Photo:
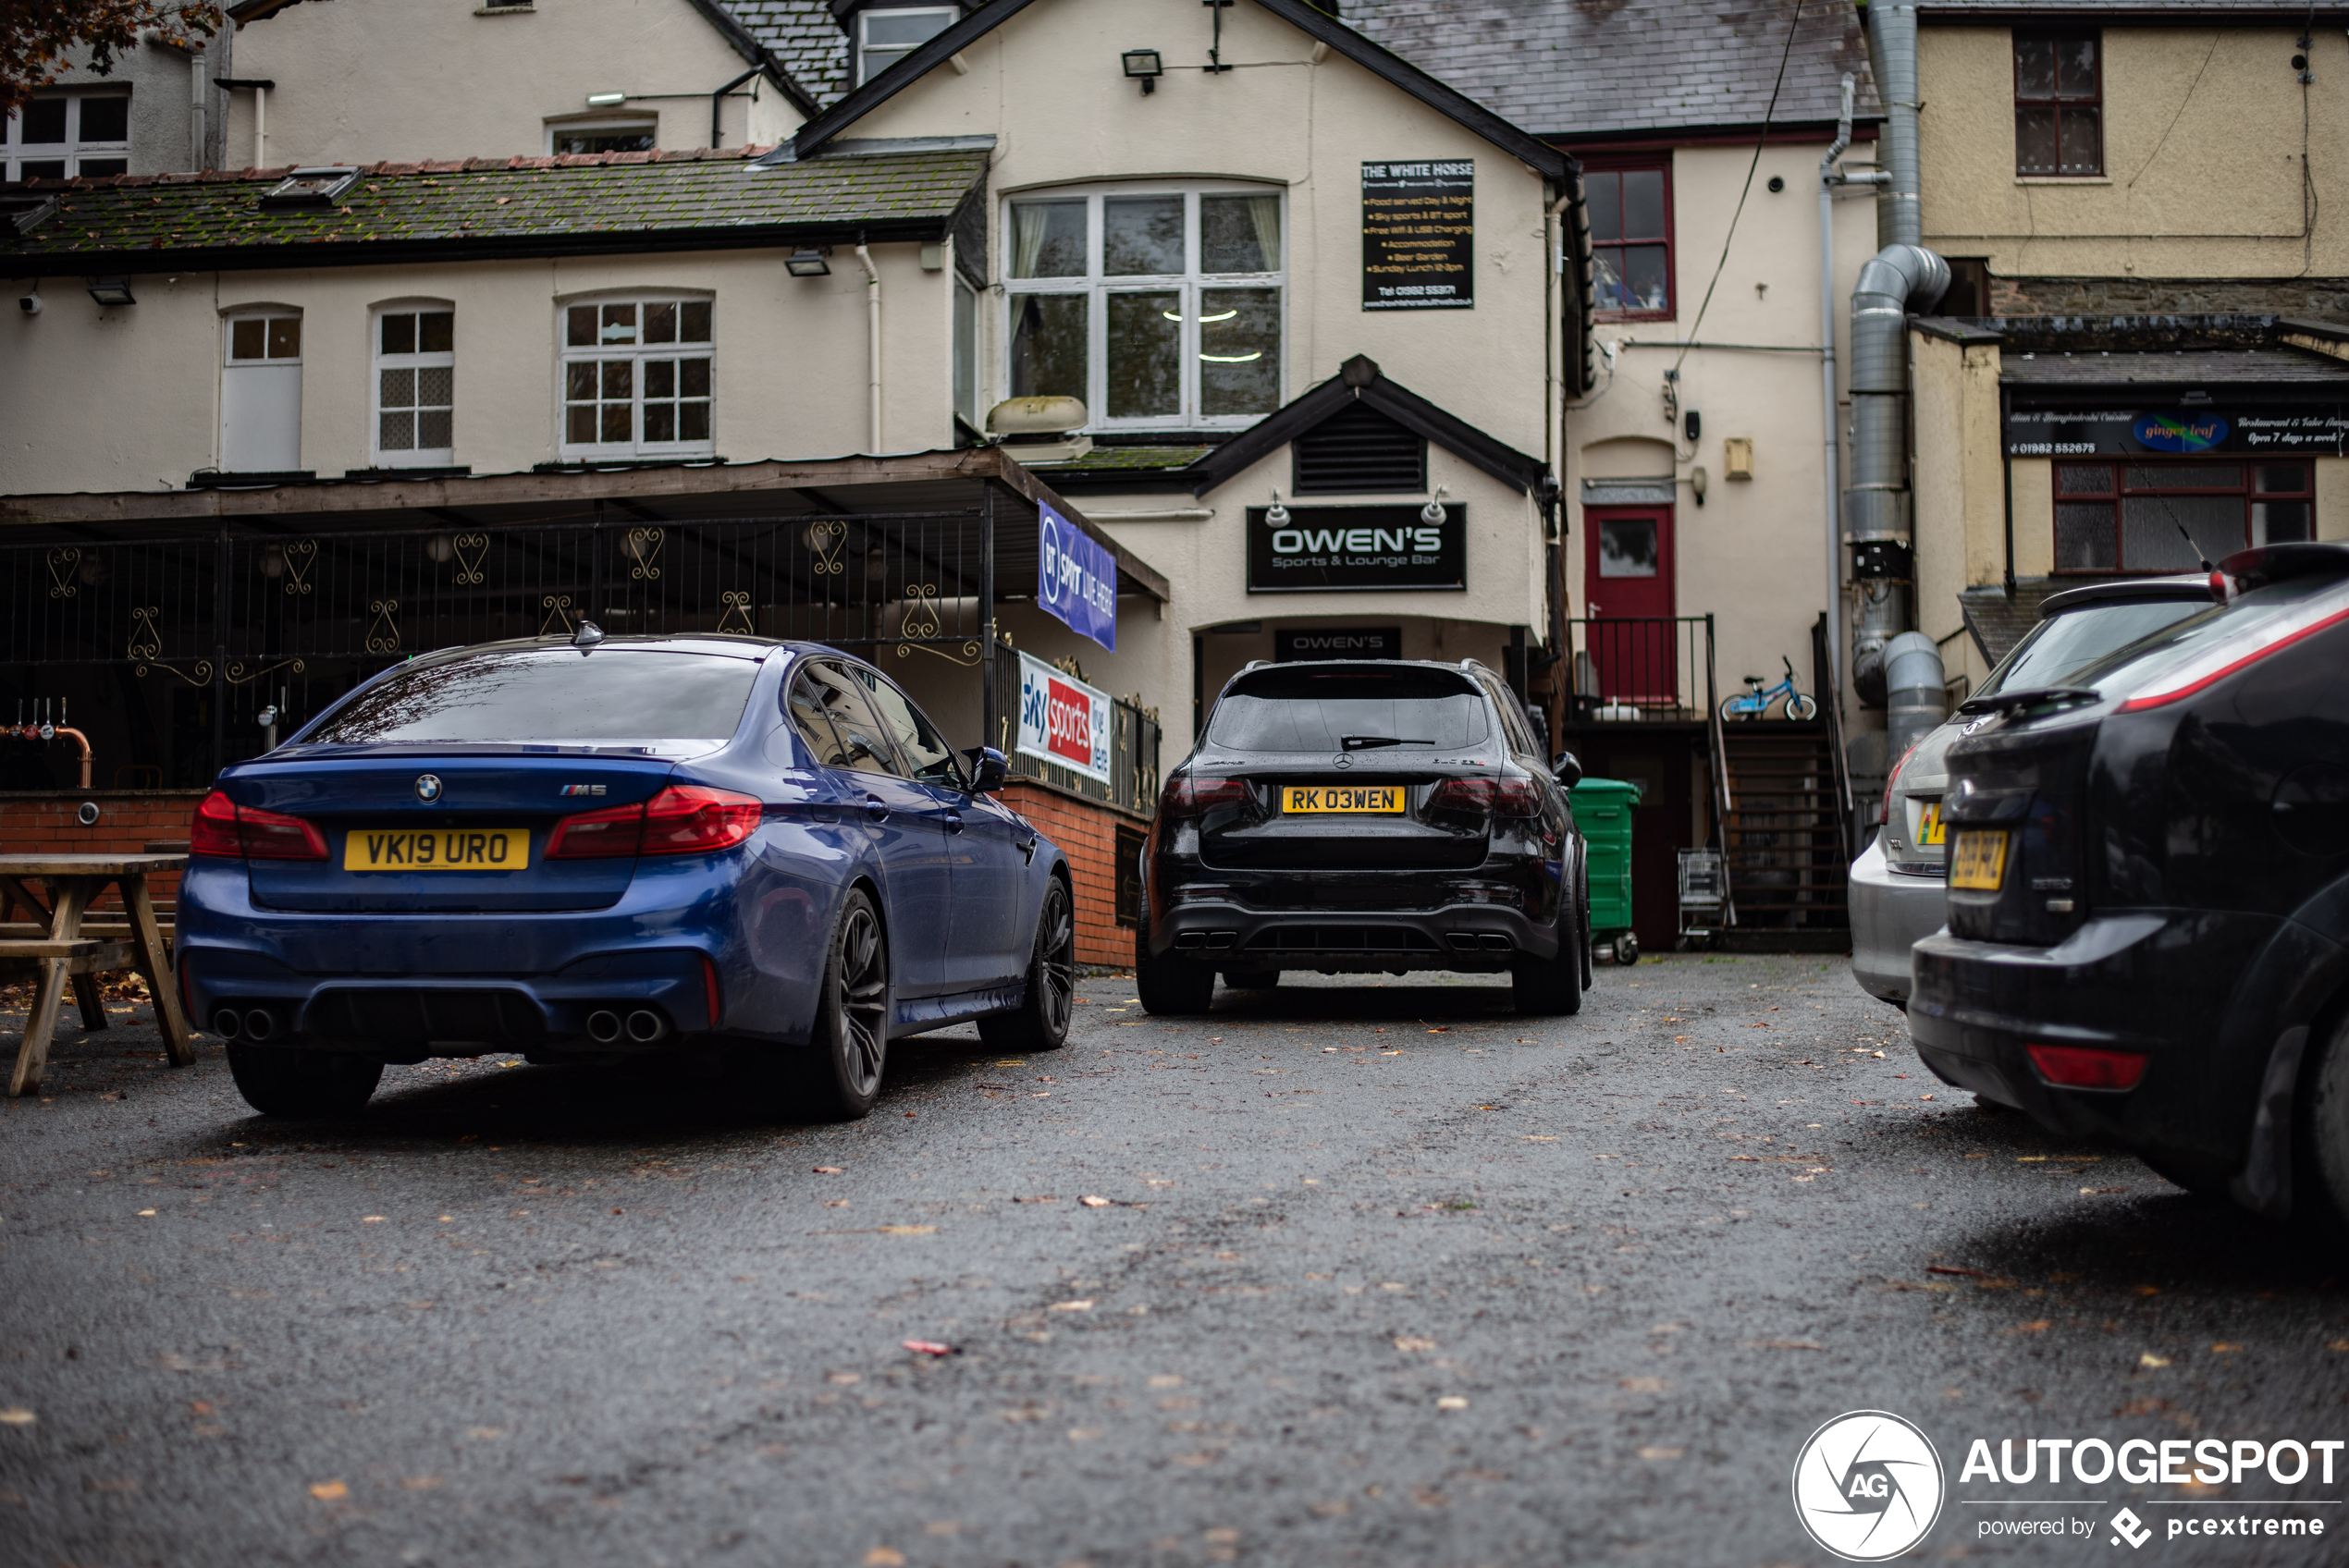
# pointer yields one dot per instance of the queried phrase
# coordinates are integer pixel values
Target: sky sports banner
(1076, 578)
(2128, 432)
(1062, 720)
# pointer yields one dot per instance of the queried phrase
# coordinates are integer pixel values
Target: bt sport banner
(1076, 578)
(1062, 720)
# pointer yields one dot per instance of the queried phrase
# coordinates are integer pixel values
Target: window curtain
(1029, 220)
(1264, 215)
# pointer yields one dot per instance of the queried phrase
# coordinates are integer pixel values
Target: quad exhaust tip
(603, 1026)
(645, 1026)
(228, 1023)
(259, 1024)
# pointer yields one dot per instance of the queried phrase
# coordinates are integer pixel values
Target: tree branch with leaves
(41, 40)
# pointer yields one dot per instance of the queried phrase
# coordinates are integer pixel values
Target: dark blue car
(612, 845)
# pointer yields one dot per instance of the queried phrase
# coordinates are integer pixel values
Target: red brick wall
(1086, 833)
(128, 820)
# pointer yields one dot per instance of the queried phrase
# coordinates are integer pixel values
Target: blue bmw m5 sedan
(605, 845)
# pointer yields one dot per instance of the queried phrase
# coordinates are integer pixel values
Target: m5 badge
(582, 789)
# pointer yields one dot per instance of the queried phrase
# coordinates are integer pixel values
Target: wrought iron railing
(1830, 701)
(210, 630)
(1644, 666)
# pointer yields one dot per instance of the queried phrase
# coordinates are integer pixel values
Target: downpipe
(873, 340)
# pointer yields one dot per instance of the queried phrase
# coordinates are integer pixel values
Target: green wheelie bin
(1602, 810)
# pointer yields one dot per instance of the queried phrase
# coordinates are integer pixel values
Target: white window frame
(232, 403)
(966, 391)
(15, 153)
(637, 448)
(380, 362)
(1188, 282)
(952, 13)
(639, 123)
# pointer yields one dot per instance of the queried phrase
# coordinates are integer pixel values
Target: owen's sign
(1318, 549)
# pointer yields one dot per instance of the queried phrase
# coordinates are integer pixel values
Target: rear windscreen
(2060, 647)
(1311, 708)
(550, 695)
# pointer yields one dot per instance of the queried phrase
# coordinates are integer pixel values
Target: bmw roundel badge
(428, 788)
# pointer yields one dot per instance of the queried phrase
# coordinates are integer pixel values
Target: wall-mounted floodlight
(807, 264)
(112, 291)
(1143, 66)
(605, 100)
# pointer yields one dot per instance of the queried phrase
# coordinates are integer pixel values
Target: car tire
(1041, 1022)
(1583, 916)
(1552, 988)
(1172, 988)
(302, 1084)
(839, 1073)
(2323, 1145)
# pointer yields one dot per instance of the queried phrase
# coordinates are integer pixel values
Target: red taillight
(1186, 796)
(682, 819)
(2084, 1067)
(710, 987)
(223, 828)
(1502, 797)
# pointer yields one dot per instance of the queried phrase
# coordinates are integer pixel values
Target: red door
(1627, 588)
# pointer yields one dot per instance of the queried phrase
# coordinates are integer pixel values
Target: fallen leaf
(1411, 1342)
(373, 1219)
(16, 1415)
(1169, 1380)
(2149, 1289)
(2038, 1326)
(1641, 1385)
(486, 1433)
(146, 1214)
(2148, 1359)
(2330, 1344)
(1787, 1344)
(1660, 1453)
(329, 1492)
(1946, 1268)
(884, 1556)
(1071, 1307)
(829, 1170)
(2222, 1348)
(420, 1483)
(909, 1229)
(1083, 1434)
(1451, 1402)
(1536, 1138)
(928, 1347)
(1089, 1201)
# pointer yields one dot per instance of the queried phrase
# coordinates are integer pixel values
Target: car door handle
(954, 822)
(876, 808)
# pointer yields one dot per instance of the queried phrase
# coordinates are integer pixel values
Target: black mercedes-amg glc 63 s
(1365, 817)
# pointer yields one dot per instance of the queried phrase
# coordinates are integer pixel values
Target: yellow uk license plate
(1979, 860)
(437, 848)
(1341, 800)
(1930, 829)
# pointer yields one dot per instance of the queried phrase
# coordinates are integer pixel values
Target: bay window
(636, 379)
(1162, 307)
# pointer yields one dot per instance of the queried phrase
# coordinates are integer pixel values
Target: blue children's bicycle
(1755, 702)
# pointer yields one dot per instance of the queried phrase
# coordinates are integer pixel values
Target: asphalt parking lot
(1344, 1273)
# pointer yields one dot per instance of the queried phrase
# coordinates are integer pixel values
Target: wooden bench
(65, 950)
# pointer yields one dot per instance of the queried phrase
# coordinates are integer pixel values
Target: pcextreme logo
(1868, 1485)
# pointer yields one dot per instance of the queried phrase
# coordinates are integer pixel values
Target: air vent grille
(1359, 451)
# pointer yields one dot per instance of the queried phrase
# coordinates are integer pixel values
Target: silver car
(1898, 883)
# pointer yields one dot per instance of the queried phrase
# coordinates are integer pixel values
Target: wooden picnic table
(63, 955)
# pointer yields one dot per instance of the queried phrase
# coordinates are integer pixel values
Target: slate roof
(1590, 69)
(481, 207)
(802, 35)
(2174, 12)
(1996, 622)
(2237, 368)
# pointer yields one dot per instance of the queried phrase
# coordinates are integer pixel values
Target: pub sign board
(1419, 236)
(1063, 720)
(1356, 549)
(2128, 432)
(1338, 643)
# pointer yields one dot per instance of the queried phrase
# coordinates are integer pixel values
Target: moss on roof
(607, 200)
(1108, 459)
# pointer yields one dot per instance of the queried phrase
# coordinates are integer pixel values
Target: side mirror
(1568, 769)
(989, 770)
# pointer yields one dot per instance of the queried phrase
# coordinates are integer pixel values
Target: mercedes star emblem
(428, 788)
(1342, 760)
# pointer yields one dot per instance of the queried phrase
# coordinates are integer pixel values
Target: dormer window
(886, 35)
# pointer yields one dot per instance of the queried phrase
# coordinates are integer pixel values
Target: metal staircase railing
(1831, 709)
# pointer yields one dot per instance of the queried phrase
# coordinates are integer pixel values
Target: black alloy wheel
(850, 1049)
(306, 1085)
(1041, 1022)
(1553, 987)
(1170, 986)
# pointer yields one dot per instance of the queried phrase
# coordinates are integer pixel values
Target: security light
(605, 100)
(1142, 66)
(112, 291)
(807, 264)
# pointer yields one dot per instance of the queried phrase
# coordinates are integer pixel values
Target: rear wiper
(1358, 742)
(2027, 697)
